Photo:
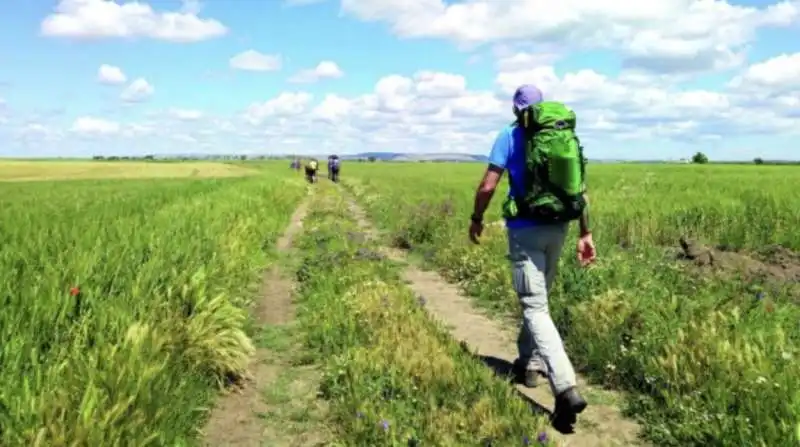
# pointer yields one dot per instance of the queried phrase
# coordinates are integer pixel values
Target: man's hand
(586, 250)
(475, 231)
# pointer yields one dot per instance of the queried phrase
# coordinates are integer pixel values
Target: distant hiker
(311, 170)
(540, 204)
(333, 168)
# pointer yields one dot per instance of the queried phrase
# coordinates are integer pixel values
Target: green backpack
(556, 168)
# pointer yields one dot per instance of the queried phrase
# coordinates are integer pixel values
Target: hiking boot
(569, 404)
(527, 376)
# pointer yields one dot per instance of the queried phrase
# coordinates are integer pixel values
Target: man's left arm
(584, 219)
(583, 222)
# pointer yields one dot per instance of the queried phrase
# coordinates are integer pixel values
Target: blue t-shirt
(508, 153)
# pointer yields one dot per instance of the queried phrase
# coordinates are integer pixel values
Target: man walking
(333, 168)
(311, 170)
(539, 207)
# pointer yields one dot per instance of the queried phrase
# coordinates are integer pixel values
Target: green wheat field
(128, 291)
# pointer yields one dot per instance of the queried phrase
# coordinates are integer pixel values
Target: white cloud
(781, 73)
(34, 129)
(632, 114)
(660, 35)
(137, 91)
(186, 114)
(332, 108)
(184, 138)
(106, 18)
(111, 75)
(433, 111)
(35, 133)
(88, 125)
(323, 70)
(524, 61)
(137, 130)
(252, 60)
(284, 105)
(440, 85)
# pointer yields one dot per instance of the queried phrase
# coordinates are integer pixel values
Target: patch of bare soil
(601, 424)
(774, 263)
(246, 415)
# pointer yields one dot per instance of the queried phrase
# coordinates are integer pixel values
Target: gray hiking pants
(534, 253)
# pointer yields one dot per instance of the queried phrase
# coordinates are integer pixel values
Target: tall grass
(710, 358)
(124, 303)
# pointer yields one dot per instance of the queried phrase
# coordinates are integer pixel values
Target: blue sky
(661, 81)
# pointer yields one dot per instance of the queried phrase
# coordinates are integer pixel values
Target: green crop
(125, 303)
(708, 352)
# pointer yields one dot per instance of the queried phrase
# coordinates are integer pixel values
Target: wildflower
(359, 415)
(542, 438)
(385, 425)
(525, 440)
(74, 291)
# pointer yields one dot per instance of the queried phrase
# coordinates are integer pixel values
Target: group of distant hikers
(312, 166)
(546, 169)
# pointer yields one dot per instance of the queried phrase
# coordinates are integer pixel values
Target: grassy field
(707, 349)
(125, 302)
(12, 170)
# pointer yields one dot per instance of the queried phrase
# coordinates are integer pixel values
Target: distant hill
(434, 156)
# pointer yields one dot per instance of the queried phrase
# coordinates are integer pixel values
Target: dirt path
(245, 416)
(601, 424)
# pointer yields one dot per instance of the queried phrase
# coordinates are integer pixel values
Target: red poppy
(74, 291)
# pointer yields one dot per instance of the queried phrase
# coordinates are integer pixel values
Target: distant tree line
(697, 158)
(181, 157)
(370, 159)
(701, 158)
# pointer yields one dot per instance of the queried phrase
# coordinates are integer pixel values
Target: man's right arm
(498, 158)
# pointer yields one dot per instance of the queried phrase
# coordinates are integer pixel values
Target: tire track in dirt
(239, 416)
(601, 424)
